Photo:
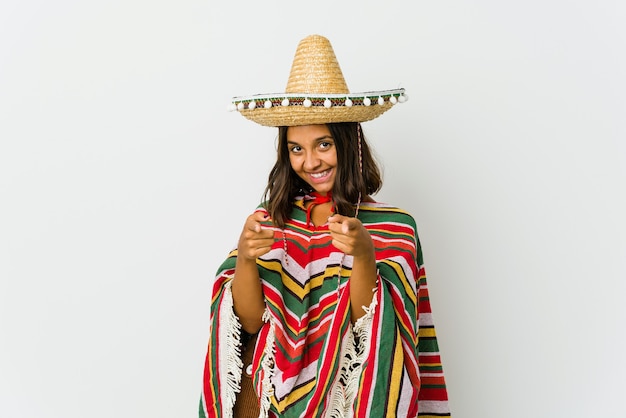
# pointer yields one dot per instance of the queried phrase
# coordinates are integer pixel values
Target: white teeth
(319, 175)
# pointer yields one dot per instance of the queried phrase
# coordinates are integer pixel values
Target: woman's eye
(296, 149)
(325, 145)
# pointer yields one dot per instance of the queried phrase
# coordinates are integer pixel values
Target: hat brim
(311, 109)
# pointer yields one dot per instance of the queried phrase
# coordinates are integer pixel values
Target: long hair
(284, 184)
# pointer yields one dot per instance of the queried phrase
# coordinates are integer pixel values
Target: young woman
(322, 310)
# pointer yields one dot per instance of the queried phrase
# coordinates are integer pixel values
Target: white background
(124, 182)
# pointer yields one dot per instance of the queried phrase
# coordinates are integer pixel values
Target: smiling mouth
(320, 175)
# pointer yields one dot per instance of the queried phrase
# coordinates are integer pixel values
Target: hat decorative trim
(316, 93)
(266, 101)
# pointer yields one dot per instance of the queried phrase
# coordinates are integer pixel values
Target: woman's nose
(311, 161)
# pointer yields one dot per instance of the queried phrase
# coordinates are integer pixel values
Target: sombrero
(316, 93)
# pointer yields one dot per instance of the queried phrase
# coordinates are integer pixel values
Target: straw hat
(316, 93)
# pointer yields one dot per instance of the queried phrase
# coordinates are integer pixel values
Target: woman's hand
(350, 236)
(255, 239)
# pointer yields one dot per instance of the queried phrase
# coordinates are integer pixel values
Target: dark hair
(284, 184)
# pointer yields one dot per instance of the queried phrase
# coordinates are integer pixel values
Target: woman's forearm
(362, 284)
(248, 299)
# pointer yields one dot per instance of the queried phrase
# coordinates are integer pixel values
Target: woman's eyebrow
(321, 138)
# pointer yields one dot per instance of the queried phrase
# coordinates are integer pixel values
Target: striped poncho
(310, 360)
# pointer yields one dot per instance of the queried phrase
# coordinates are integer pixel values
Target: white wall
(124, 182)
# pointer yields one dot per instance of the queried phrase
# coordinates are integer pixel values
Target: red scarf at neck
(316, 199)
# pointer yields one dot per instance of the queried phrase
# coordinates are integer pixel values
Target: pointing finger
(336, 218)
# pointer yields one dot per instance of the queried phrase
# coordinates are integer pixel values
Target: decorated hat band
(316, 93)
(301, 109)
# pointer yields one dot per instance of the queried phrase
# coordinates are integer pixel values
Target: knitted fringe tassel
(230, 364)
(267, 364)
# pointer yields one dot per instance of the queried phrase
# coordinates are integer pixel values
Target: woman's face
(313, 155)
